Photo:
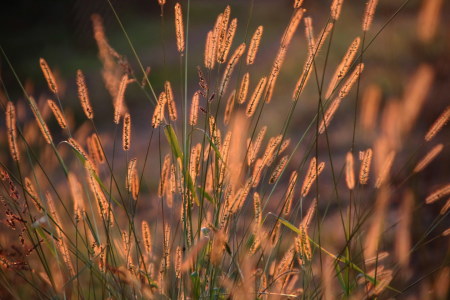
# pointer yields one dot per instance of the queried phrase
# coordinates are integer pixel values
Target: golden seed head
(314, 171)
(12, 131)
(158, 114)
(254, 45)
(171, 106)
(290, 193)
(428, 158)
(179, 28)
(226, 43)
(97, 149)
(438, 124)
(193, 117)
(336, 7)
(126, 135)
(243, 90)
(365, 166)
(349, 171)
(229, 107)
(49, 77)
(146, 237)
(368, 14)
(118, 104)
(298, 3)
(438, 194)
(254, 100)
(230, 67)
(59, 116)
(278, 169)
(83, 95)
(41, 123)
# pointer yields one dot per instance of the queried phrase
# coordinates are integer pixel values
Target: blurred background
(61, 32)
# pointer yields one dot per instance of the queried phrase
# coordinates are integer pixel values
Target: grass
(194, 202)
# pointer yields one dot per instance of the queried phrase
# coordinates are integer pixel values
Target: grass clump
(217, 197)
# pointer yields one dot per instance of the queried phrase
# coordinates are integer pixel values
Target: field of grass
(230, 150)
